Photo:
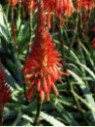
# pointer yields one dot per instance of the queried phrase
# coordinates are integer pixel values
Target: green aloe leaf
(51, 119)
(4, 26)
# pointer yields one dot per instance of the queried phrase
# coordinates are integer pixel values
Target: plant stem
(19, 15)
(39, 105)
(1, 120)
(18, 69)
(19, 10)
(31, 30)
(7, 10)
(15, 57)
(63, 55)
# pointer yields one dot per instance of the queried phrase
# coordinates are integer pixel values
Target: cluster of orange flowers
(86, 4)
(42, 67)
(59, 7)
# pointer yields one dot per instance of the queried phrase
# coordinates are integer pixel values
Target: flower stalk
(14, 46)
(1, 120)
(39, 105)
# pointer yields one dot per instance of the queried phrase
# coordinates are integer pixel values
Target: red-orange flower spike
(61, 8)
(30, 5)
(4, 90)
(86, 4)
(42, 68)
(13, 2)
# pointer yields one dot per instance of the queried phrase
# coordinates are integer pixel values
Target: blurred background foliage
(75, 105)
